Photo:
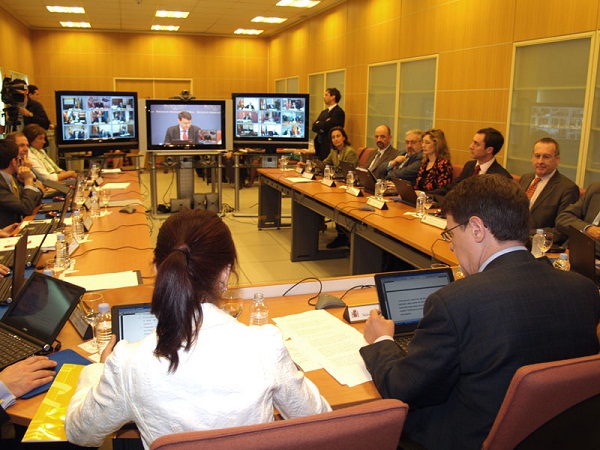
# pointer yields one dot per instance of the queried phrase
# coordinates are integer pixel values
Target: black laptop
(406, 192)
(582, 254)
(35, 317)
(402, 296)
(132, 322)
(368, 180)
(10, 286)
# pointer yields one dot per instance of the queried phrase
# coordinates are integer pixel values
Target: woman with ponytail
(201, 369)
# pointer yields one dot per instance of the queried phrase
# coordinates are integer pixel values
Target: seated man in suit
(18, 194)
(549, 191)
(509, 311)
(185, 131)
(487, 142)
(405, 166)
(385, 152)
(583, 215)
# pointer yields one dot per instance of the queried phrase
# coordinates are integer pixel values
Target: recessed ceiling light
(172, 14)
(76, 24)
(245, 31)
(269, 19)
(298, 3)
(165, 27)
(66, 9)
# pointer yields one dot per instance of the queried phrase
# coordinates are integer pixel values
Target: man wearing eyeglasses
(509, 311)
(406, 165)
(548, 190)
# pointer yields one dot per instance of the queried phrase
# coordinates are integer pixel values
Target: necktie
(477, 170)
(375, 161)
(185, 135)
(15, 188)
(532, 187)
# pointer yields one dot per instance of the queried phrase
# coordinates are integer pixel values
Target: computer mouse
(326, 301)
(51, 214)
(366, 208)
(127, 210)
(58, 199)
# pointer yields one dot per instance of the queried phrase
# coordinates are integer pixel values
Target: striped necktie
(532, 187)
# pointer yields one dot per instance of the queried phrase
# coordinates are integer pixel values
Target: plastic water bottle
(309, 167)
(103, 326)
(349, 180)
(562, 262)
(537, 243)
(420, 207)
(327, 172)
(77, 226)
(61, 257)
(94, 205)
(259, 313)
(379, 189)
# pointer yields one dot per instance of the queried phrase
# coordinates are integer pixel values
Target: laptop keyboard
(13, 348)
(41, 227)
(403, 342)
(5, 288)
(51, 206)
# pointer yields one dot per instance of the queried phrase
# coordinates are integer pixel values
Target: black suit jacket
(12, 209)
(336, 117)
(558, 193)
(475, 333)
(173, 134)
(39, 114)
(468, 169)
(389, 154)
(581, 213)
(407, 171)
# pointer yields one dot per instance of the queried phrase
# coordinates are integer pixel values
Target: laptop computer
(406, 192)
(582, 254)
(343, 170)
(132, 322)
(402, 296)
(10, 287)
(60, 187)
(35, 317)
(367, 181)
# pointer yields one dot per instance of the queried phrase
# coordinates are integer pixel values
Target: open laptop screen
(132, 322)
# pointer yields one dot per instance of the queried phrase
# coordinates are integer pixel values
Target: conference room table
(372, 233)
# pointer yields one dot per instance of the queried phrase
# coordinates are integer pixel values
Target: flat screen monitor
(271, 120)
(192, 124)
(97, 121)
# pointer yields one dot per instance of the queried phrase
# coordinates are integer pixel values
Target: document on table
(115, 186)
(299, 180)
(329, 342)
(106, 280)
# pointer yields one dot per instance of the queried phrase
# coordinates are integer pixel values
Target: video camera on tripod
(13, 93)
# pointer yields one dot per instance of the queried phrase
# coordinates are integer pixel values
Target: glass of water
(105, 198)
(232, 302)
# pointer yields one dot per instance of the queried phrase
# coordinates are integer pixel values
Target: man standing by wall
(332, 116)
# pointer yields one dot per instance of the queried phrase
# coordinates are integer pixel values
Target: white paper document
(329, 342)
(115, 186)
(105, 280)
(117, 170)
(300, 180)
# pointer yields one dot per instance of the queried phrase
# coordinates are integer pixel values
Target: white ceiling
(207, 17)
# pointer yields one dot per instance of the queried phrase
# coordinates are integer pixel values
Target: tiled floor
(264, 256)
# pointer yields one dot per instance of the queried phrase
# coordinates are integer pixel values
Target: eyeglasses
(447, 234)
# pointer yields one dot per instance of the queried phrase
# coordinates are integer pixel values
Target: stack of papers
(319, 339)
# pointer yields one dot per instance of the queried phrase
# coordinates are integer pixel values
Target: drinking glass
(350, 179)
(284, 161)
(548, 241)
(428, 201)
(104, 198)
(88, 305)
(379, 189)
(231, 302)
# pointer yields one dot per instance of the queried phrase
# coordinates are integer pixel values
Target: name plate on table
(99, 181)
(359, 313)
(376, 203)
(329, 183)
(299, 169)
(354, 191)
(308, 175)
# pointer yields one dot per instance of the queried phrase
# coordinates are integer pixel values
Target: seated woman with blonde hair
(201, 369)
(436, 169)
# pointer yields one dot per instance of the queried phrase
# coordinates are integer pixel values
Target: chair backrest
(550, 405)
(363, 155)
(370, 426)
(456, 169)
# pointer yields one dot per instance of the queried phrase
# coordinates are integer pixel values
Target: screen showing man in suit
(184, 131)
(510, 310)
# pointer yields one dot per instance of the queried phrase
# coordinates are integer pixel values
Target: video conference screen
(271, 117)
(88, 118)
(195, 124)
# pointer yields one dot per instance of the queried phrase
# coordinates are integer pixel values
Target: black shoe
(339, 241)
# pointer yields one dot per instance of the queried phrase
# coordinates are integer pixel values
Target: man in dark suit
(487, 142)
(185, 131)
(34, 110)
(583, 215)
(549, 191)
(509, 311)
(18, 194)
(332, 116)
(385, 152)
(405, 166)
